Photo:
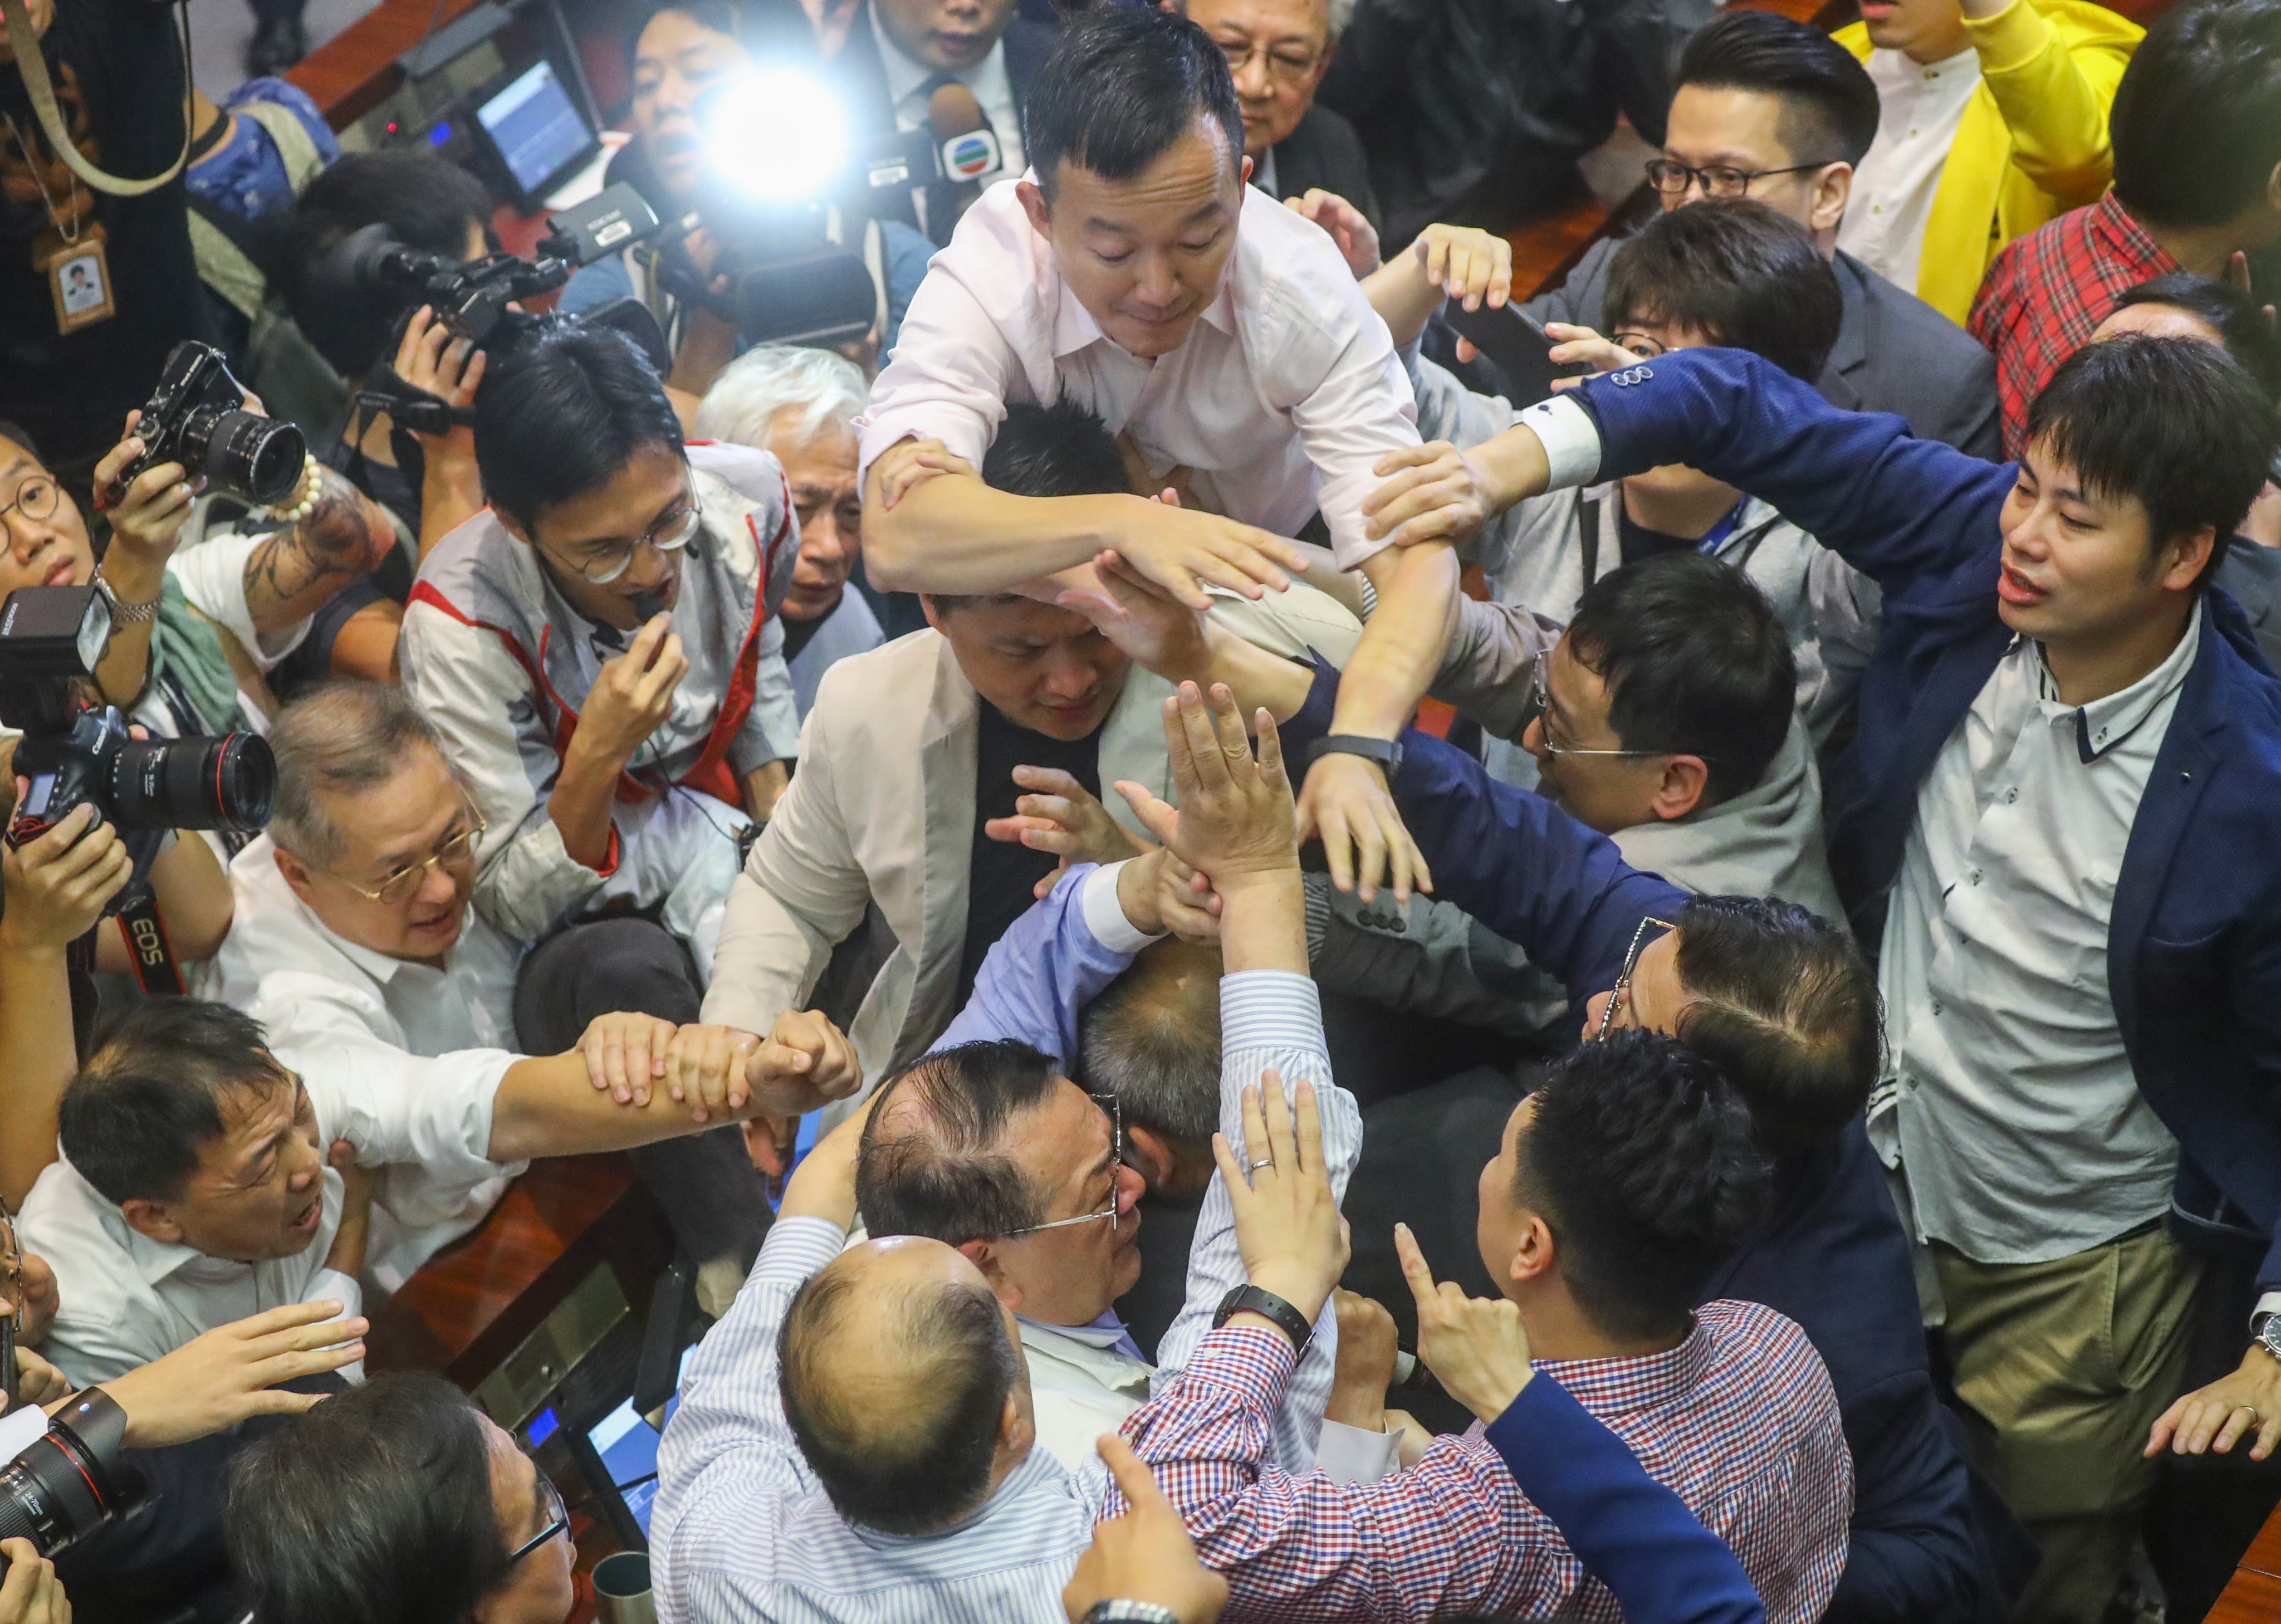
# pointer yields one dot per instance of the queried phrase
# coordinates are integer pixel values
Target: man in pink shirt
(1225, 339)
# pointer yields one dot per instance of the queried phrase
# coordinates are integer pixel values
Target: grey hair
(342, 737)
(1339, 13)
(827, 390)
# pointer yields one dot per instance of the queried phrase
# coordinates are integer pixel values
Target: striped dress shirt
(743, 1532)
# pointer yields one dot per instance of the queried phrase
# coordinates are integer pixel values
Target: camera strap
(147, 947)
(34, 66)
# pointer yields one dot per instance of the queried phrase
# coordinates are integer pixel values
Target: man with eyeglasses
(1773, 110)
(600, 653)
(1278, 52)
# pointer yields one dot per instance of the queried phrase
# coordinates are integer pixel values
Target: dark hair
(1782, 1001)
(1151, 1041)
(2197, 121)
(1695, 662)
(2240, 321)
(1737, 273)
(1122, 86)
(14, 435)
(372, 1508)
(932, 1160)
(1058, 450)
(769, 29)
(1828, 101)
(424, 202)
(922, 1468)
(1642, 1160)
(2174, 423)
(561, 413)
(148, 1101)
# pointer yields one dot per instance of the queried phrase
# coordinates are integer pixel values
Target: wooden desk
(2254, 1596)
(357, 67)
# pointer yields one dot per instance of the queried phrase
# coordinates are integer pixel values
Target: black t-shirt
(1002, 873)
(73, 390)
(1638, 541)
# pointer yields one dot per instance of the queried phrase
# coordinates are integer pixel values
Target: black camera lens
(256, 458)
(225, 783)
(68, 1482)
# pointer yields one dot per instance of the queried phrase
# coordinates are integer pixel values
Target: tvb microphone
(965, 144)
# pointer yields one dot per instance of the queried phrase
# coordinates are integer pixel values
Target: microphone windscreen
(953, 110)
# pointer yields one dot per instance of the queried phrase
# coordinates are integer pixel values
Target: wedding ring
(1265, 1160)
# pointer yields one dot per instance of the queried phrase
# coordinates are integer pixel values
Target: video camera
(74, 751)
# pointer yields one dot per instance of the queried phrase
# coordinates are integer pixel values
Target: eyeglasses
(1109, 1103)
(1291, 68)
(558, 1520)
(401, 886)
(611, 560)
(35, 498)
(1639, 343)
(1624, 976)
(1672, 178)
(1541, 676)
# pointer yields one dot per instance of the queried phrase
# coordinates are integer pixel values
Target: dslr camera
(198, 417)
(72, 1478)
(75, 750)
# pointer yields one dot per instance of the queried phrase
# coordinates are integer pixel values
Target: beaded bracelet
(306, 493)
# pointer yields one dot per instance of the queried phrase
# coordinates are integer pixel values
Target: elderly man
(355, 946)
(1278, 51)
(801, 406)
(194, 1184)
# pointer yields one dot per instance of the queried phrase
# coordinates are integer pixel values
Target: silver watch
(2265, 1332)
(1110, 1611)
(123, 612)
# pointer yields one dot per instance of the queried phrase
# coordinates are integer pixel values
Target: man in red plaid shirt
(2197, 137)
(1617, 1187)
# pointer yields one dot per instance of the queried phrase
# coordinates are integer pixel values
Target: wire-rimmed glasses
(1624, 976)
(671, 533)
(1540, 679)
(401, 886)
(1108, 1102)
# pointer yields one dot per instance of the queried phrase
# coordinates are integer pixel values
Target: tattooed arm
(290, 577)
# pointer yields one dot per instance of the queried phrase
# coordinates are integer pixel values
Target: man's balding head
(904, 1384)
(1151, 1041)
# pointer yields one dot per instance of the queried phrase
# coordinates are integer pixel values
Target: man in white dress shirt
(1225, 341)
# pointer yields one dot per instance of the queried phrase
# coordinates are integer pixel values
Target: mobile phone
(1516, 343)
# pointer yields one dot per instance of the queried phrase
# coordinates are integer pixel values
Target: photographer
(676, 53)
(77, 347)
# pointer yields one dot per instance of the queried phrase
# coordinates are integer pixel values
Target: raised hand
(1235, 821)
(1287, 1227)
(1477, 1349)
(1156, 628)
(228, 1375)
(1349, 228)
(147, 513)
(1062, 817)
(1144, 1556)
(1347, 803)
(1582, 346)
(1467, 264)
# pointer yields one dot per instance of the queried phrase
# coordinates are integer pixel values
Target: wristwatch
(123, 612)
(1251, 1299)
(1386, 751)
(2265, 1332)
(1108, 1610)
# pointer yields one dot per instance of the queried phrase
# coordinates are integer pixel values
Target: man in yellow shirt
(1993, 121)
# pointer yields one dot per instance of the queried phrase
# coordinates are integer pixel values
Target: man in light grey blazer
(1778, 111)
(907, 759)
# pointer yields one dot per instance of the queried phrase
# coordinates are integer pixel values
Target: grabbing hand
(1365, 1365)
(1183, 552)
(1432, 493)
(632, 694)
(705, 1068)
(1580, 346)
(1287, 1227)
(2243, 1403)
(1186, 903)
(1469, 265)
(1144, 1556)
(227, 1376)
(908, 464)
(428, 357)
(1349, 228)
(59, 884)
(806, 1062)
(148, 512)
(32, 1594)
(1476, 1349)
(625, 1054)
(1347, 803)
(1155, 629)
(1234, 820)
(1062, 817)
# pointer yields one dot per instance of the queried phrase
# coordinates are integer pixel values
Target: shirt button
(1936, 1006)
(1975, 876)
(2011, 795)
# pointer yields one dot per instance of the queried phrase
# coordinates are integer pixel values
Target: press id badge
(79, 276)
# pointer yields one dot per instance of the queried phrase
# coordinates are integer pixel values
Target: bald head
(904, 1385)
(1151, 1040)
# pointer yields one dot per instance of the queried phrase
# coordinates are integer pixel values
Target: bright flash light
(777, 136)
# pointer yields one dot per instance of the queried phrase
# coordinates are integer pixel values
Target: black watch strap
(1286, 1318)
(1386, 751)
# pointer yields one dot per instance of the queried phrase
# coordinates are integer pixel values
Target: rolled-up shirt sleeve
(948, 377)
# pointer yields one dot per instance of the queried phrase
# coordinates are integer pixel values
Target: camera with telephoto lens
(72, 1478)
(196, 417)
(75, 750)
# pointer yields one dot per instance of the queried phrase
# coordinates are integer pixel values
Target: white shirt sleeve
(398, 1109)
(951, 370)
(1571, 441)
(212, 575)
(1350, 1455)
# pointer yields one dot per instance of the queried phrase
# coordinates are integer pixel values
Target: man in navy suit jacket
(2059, 818)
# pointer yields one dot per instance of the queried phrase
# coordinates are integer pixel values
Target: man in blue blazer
(2058, 819)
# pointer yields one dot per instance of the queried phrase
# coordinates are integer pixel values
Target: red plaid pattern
(2048, 289)
(1739, 1420)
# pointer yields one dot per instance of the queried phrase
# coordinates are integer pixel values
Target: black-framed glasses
(1110, 1103)
(1624, 976)
(1672, 178)
(672, 532)
(558, 1518)
(401, 886)
(35, 498)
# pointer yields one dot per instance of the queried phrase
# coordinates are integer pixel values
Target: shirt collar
(1106, 1334)
(1643, 1382)
(2105, 723)
(2109, 219)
